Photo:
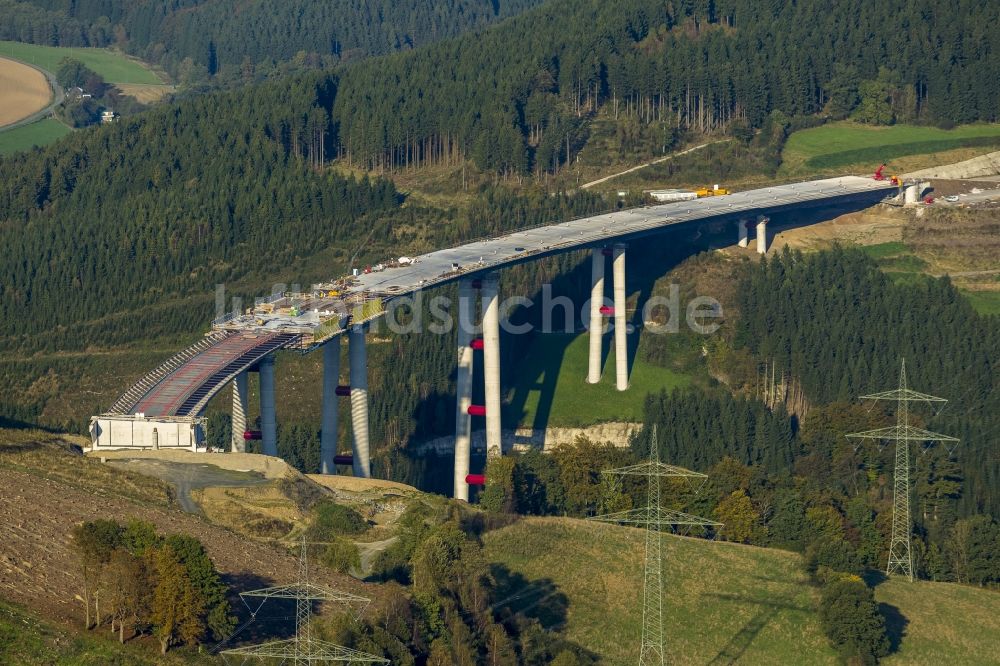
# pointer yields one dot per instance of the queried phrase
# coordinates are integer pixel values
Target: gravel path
(656, 161)
(186, 477)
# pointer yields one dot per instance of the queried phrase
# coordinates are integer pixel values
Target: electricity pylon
(303, 648)
(900, 556)
(653, 517)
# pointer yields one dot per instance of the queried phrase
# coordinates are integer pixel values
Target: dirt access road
(186, 476)
(25, 93)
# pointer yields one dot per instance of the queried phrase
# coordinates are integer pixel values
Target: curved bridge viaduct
(164, 408)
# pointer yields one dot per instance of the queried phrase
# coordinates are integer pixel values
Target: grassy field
(36, 134)
(843, 144)
(943, 623)
(114, 67)
(896, 257)
(725, 603)
(559, 362)
(146, 94)
(985, 302)
(903, 262)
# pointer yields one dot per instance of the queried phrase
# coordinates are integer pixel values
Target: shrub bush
(342, 556)
(851, 620)
(334, 519)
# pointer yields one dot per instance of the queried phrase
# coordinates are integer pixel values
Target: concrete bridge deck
(176, 392)
(322, 314)
(438, 267)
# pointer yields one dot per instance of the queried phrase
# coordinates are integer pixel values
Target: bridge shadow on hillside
(645, 264)
(545, 368)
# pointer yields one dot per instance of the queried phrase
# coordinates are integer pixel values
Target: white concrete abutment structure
(598, 309)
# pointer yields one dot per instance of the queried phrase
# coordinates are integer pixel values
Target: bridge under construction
(164, 408)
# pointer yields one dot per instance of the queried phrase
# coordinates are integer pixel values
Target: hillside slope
(45, 490)
(725, 603)
(29, 640)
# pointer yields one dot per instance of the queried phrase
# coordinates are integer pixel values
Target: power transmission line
(653, 517)
(900, 553)
(304, 648)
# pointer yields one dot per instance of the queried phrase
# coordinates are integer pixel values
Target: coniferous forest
(306, 138)
(199, 38)
(168, 204)
(515, 98)
(205, 190)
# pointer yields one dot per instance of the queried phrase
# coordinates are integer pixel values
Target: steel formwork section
(198, 399)
(186, 389)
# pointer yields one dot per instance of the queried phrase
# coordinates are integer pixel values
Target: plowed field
(23, 91)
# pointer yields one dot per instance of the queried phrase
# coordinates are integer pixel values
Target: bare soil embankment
(46, 489)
